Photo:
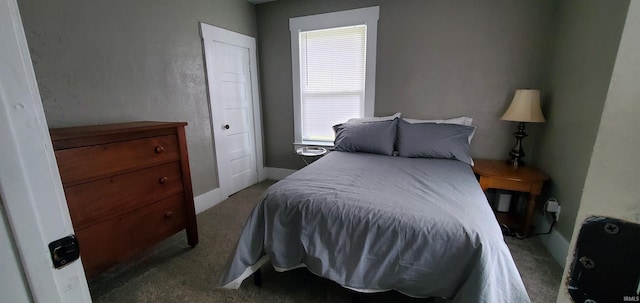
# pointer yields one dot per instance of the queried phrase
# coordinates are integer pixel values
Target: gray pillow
(369, 137)
(434, 140)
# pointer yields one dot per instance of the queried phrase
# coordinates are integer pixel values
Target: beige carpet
(173, 272)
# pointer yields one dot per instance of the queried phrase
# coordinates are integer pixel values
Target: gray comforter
(375, 223)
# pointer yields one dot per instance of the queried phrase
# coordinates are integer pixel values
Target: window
(333, 62)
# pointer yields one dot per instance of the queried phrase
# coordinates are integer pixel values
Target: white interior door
(234, 104)
(231, 99)
(31, 192)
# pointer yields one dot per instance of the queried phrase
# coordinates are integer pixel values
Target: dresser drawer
(102, 199)
(92, 162)
(110, 242)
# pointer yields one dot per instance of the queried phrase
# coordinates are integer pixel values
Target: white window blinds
(332, 79)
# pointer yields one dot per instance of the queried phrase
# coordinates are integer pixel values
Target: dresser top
(109, 129)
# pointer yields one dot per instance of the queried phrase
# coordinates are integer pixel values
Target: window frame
(363, 16)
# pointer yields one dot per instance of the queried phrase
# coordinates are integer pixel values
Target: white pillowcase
(373, 119)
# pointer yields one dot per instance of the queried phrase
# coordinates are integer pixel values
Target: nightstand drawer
(92, 162)
(523, 186)
(102, 199)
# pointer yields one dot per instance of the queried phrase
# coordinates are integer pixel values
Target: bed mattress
(375, 223)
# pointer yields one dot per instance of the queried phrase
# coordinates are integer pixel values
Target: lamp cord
(507, 231)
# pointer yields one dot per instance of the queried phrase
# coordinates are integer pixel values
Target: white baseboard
(262, 174)
(555, 243)
(207, 200)
(214, 196)
(274, 173)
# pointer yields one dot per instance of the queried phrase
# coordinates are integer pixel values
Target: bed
(373, 222)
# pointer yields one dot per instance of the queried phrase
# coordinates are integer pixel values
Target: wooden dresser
(128, 187)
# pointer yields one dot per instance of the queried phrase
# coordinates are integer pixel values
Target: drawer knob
(159, 149)
(163, 180)
(168, 215)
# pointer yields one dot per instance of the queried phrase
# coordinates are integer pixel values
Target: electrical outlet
(552, 206)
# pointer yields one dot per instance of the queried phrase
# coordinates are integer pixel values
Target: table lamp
(525, 107)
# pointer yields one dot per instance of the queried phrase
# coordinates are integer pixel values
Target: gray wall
(436, 59)
(611, 187)
(116, 61)
(585, 43)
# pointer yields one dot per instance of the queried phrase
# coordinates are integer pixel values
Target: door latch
(64, 251)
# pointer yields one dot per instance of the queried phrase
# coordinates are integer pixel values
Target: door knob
(226, 126)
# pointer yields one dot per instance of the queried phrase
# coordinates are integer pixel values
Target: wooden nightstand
(498, 174)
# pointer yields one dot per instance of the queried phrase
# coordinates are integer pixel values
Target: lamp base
(517, 153)
(516, 163)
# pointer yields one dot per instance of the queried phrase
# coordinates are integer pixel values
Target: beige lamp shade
(525, 107)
